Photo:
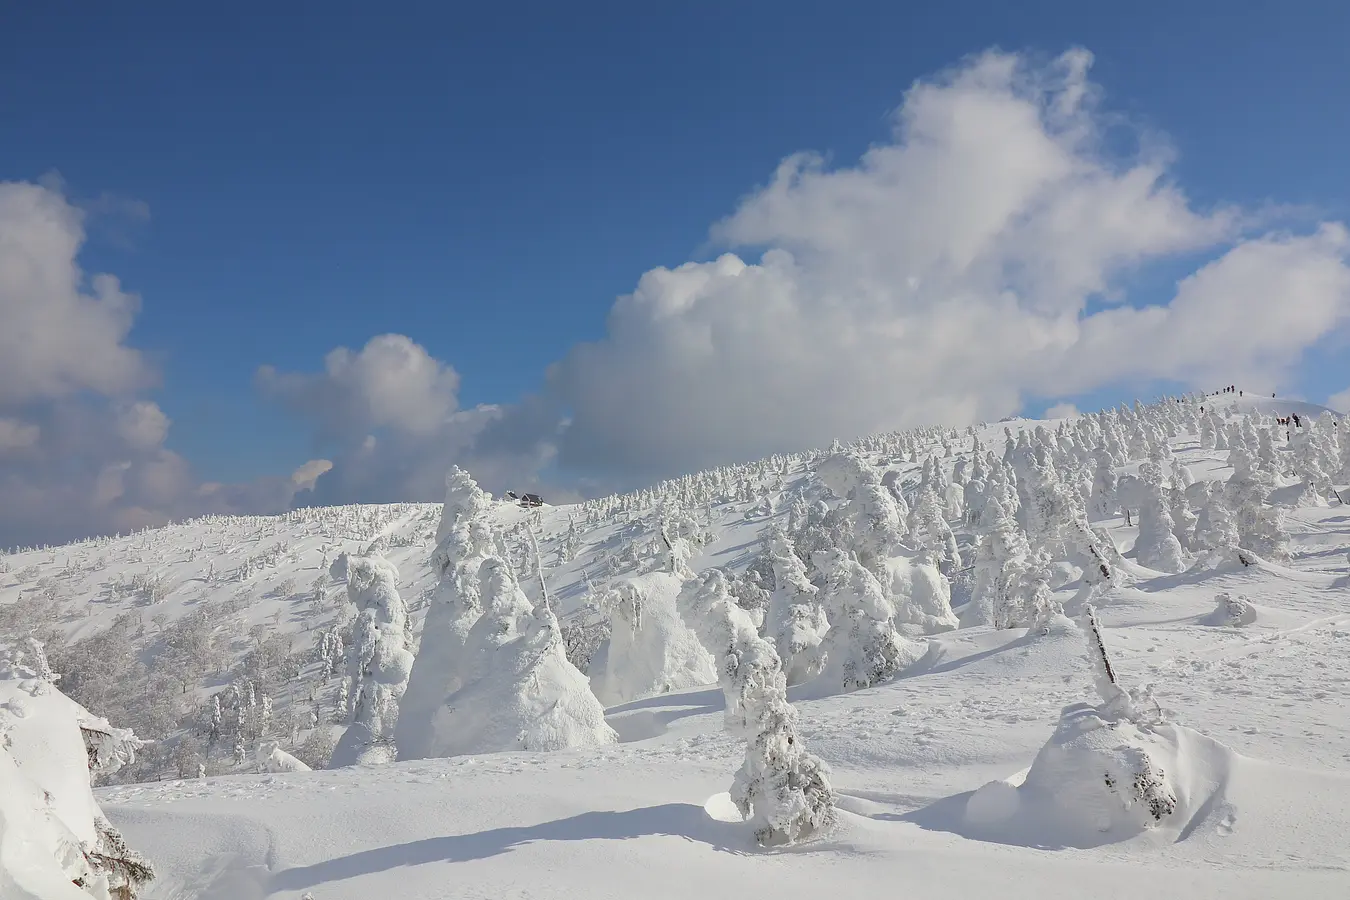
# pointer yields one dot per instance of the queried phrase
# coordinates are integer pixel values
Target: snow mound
(1102, 781)
(1231, 611)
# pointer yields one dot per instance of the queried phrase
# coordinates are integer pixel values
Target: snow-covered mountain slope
(650, 817)
(929, 766)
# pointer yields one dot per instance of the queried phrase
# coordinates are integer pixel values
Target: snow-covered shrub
(1109, 772)
(1105, 775)
(379, 662)
(1230, 611)
(271, 758)
(781, 789)
(651, 649)
(317, 749)
(518, 690)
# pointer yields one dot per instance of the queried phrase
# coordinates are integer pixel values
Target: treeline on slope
(871, 547)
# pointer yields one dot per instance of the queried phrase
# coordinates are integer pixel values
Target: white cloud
(143, 425)
(1062, 411)
(1340, 401)
(62, 333)
(17, 435)
(80, 453)
(393, 411)
(974, 259)
(306, 475)
(392, 382)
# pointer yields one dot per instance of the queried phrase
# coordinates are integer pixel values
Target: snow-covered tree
(380, 663)
(651, 649)
(1184, 519)
(796, 619)
(781, 789)
(929, 529)
(464, 538)
(1260, 526)
(877, 521)
(1104, 483)
(519, 692)
(862, 647)
(1308, 460)
(1156, 546)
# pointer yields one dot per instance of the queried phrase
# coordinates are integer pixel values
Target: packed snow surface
(985, 768)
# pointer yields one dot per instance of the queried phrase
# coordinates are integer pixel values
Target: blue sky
(487, 181)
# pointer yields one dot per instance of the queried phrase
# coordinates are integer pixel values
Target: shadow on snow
(681, 820)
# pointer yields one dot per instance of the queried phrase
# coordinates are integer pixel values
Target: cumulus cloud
(62, 332)
(392, 412)
(80, 452)
(980, 256)
(1340, 401)
(974, 259)
(391, 383)
(1062, 411)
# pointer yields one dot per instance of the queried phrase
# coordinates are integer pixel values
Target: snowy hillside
(1208, 751)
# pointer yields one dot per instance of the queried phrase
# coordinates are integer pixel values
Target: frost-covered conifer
(1184, 519)
(1104, 483)
(464, 538)
(54, 839)
(796, 619)
(1216, 533)
(651, 650)
(379, 667)
(1207, 431)
(1260, 526)
(862, 647)
(781, 789)
(930, 531)
(1156, 546)
(1002, 554)
(519, 691)
(1343, 442)
(1307, 461)
(877, 525)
